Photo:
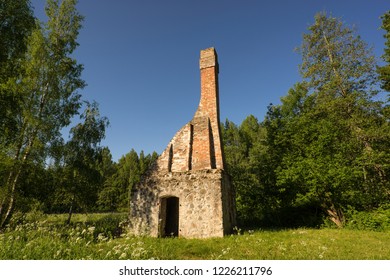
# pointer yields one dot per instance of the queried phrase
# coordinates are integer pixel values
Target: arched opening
(169, 217)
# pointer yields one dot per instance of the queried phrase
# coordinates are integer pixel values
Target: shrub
(377, 220)
(111, 226)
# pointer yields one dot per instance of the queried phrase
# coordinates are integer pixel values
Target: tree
(78, 175)
(384, 71)
(330, 128)
(236, 164)
(246, 156)
(16, 24)
(129, 170)
(314, 155)
(46, 92)
(107, 167)
(341, 69)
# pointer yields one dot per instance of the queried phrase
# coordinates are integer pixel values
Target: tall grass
(104, 237)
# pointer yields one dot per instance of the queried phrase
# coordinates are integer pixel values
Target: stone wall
(203, 203)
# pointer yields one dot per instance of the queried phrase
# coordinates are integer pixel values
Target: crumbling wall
(204, 208)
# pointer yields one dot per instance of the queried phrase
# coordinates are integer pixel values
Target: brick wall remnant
(188, 193)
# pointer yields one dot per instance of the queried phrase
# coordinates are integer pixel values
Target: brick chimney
(208, 111)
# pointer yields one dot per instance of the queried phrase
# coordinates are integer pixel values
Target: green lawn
(98, 236)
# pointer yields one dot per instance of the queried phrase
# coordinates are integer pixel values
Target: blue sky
(141, 58)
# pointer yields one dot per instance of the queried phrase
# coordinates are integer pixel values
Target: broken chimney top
(208, 58)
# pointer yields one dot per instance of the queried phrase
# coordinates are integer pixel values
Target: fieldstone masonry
(187, 193)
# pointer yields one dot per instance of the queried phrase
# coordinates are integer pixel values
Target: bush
(308, 216)
(111, 226)
(377, 220)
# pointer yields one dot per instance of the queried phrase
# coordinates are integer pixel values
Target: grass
(102, 236)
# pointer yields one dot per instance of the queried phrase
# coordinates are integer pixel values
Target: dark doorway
(169, 217)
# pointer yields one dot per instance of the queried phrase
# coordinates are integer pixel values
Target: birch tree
(47, 95)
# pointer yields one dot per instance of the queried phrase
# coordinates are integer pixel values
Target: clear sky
(141, 58)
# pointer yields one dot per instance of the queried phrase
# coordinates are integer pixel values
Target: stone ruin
(187, 193)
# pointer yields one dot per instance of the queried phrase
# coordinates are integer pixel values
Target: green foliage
(110, 226)
(335, 60)
(114, 195)
(77, 175)
(323, 132)
(384, 71)
(16, 24)
(377, 220)
(249, 165)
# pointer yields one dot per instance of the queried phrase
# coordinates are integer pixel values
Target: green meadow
(104, 237)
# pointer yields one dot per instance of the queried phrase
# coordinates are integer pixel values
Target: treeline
(322, 155)
(86, 185)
